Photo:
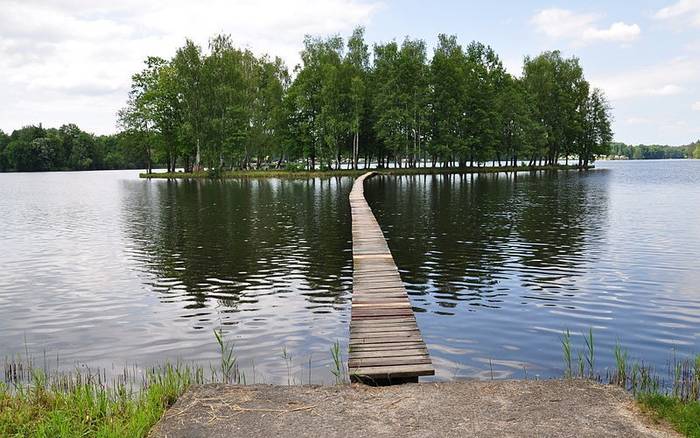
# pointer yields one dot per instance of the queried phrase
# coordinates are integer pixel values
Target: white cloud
(696, 106)
(683, 11)
(581, 29)
(60, 58)
(663, 79)
(637, 120)
(618, 32)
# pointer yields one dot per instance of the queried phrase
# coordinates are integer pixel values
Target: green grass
(305, 174)
(683, 416)
(85, 403)
(80, 407)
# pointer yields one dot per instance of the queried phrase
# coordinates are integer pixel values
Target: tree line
(654, 152)
(347, 105)
(35, 148)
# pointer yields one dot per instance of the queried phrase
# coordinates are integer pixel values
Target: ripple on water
(508, 263)
(104, 268)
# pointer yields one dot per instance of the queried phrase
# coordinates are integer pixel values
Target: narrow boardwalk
(385, 342)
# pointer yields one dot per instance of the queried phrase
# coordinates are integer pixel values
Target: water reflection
(468, 237)
(104, 268)
(498, 265)
(236, 242)
(268, 258)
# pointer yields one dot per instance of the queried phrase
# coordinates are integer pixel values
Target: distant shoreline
(304, 174)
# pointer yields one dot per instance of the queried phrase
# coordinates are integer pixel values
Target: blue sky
(71, 60)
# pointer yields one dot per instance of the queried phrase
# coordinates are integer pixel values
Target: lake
(103, 269)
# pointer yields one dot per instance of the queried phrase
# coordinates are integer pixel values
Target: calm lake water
(104, 269)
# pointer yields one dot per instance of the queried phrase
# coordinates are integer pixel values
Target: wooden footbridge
(385, 343)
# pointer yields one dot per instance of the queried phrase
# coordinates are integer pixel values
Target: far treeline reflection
(239, 239)
(455, 236)
(478, 238)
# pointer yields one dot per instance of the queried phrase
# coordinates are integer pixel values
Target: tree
(23, 153)
(4, 161)
(448, 85)
(597, 133)
(140, 114)
(520, 133)
(414, 78)
(223, 106)
(188, 65)
(228, 107)
(357, 63)
(267, 116)
(559, 91)
(316, 99)
(387, 100)
(401, 98)
(484, 78)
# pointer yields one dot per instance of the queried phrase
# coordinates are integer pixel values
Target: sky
(71, 61)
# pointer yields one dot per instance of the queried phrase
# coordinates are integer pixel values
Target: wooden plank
(379, 311)
(396, 372)
(382, 290)
(378, 284)
(383, 328)
(383, 361)
(396, 346)
(389, 353)
(386, 340)
(359, 324)
(381, 294)
(380, 304)
(363, 313)
(399, 335)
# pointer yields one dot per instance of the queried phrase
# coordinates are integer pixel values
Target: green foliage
(229, 367)
(621, 363)
(684, 416)
(653, 152)
(78, 407)
(338, 370)
(293, 167)
(566, 348)
(215, 173)
(590, 352)
(226, 108)
(34, 148)
(4, 159)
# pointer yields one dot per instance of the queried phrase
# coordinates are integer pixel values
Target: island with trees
(346, 106)
(343, 107)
